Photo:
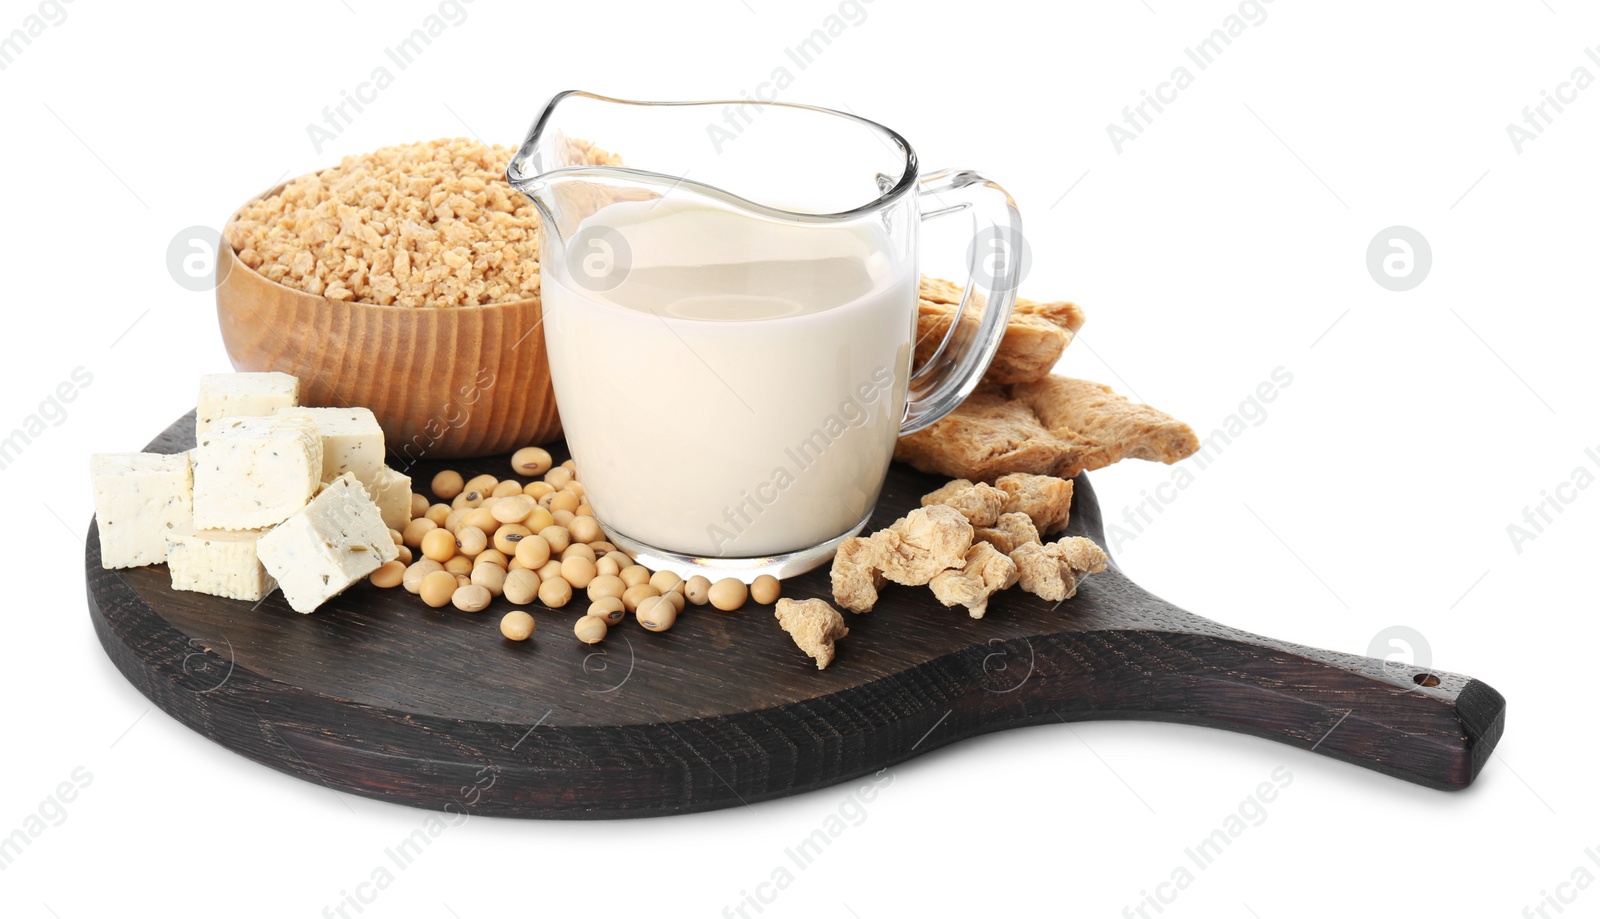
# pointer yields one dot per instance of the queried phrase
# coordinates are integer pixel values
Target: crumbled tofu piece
(352, 441)
(981, 504)
(814, 625)
(1044, 498)
(1052, 571)
(138, 497)
(221, 563)
(946, 491)
(391, 491)
(986, 573)
(855, 582)
(327, 545)
(1009, 532)
(251, 473)
(237, 395)
(921, 544)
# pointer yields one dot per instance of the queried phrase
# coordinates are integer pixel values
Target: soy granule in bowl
(426, 224)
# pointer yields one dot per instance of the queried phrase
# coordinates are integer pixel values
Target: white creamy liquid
(739, 393)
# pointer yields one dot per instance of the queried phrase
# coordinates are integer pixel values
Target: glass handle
(994, 266)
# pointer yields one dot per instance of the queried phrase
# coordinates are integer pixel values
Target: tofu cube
(352, 441)
(331, 543)
(138, 497)
(251, 473)
(238, 395)
(391, 491)
(221, 563)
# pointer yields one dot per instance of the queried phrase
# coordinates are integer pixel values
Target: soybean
(389, 574)
(656, 614)
(728, 594)
(532, 551)
(438, 545)
(448, 484)
(765, 589)
(611, 609)
(590, 629)
(481, 517)
(538, 519)
(521, 586)
(507, 537)
(675, 598)
(555, 592)
(605, 585)
(531, 461)
(471, 541)
(416, 529)
(483, 485)
(584, 529)
(412, 580)
(471, 598)
(490, 577)
(698, 590)
(638, 593)
(577, 550)
(557, 537)
(514, 509)
(437, 588)
(491, 555)
(517, 625)
(578, 571)
(453, 522)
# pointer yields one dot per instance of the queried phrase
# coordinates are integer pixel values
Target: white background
(1226, 241)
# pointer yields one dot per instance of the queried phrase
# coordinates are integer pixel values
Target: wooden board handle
(1163, 663)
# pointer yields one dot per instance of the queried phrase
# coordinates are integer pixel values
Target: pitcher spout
(564, 171)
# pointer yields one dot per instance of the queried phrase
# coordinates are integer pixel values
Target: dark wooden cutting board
(379, 695)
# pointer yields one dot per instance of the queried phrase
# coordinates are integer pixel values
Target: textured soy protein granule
(424, 224)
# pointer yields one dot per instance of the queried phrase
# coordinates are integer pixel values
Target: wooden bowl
(444, 382)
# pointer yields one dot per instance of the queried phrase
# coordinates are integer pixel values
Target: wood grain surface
(378, 695)
(455, 381)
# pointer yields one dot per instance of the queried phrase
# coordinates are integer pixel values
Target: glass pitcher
(729, 296)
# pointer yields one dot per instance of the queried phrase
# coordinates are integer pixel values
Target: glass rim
(524, 183)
